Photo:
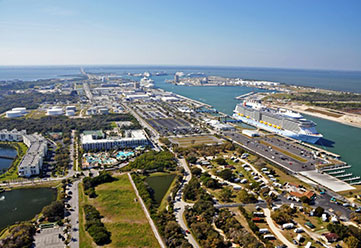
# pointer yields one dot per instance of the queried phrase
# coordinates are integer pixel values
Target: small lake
(160, 184)
(23, 204)
(5, 163)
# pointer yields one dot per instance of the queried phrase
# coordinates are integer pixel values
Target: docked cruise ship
(281, 121)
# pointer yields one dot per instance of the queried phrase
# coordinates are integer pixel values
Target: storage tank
(70, 112)
(70, 108)
(21, 109)
(55, 111)
(13, 114)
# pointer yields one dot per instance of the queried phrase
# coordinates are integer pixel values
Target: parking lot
(283, 159)
(171, 126)
(49, 238)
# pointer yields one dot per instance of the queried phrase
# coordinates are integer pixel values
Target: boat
(2, 198)
(283, 122)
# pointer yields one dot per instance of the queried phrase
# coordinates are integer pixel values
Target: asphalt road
(180, 204)
(74, 215)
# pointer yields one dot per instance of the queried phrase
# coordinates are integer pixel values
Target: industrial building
(133, 139)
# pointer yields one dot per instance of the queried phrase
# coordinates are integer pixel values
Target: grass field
(12, 172)
(195, 140)
(123, 216)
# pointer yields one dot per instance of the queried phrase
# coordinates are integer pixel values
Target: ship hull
(303, 137)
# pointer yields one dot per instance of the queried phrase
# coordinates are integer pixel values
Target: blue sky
(323, 34)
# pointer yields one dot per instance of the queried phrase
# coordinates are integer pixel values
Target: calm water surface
(23, 204)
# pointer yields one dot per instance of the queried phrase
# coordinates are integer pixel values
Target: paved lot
(283, 159)
(49, 238)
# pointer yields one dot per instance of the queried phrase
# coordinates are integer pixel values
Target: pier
(335, 168)
(351, 179)
(344, 175)
(355, 183)
(336, 172)
(244, 95)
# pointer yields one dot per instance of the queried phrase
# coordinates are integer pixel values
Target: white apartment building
(32, 162)
(135, 138)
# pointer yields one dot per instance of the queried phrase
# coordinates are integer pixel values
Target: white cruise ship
(281, 121)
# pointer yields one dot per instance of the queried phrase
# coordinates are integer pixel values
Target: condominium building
(13, 135)
(32, 162)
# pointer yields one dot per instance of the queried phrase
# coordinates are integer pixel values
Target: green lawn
(84, 238)
(123, 216)
(12, 172)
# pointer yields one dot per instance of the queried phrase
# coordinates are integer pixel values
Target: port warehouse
(272, 119)
(32, 162)
(133, 139)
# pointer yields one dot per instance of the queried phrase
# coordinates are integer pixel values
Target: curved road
(276, 230)
(180, 204)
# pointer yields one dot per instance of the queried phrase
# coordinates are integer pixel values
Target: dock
(351, 179)
(244, 95)
(355, 183)
(333, 168)
(344, 175)
(336, 172)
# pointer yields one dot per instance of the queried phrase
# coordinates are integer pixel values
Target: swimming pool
(125, 154)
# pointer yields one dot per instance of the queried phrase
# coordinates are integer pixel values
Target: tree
(226, 174)
(352, 242)
(283, 214)
(319, 211)
(245, 197)
(54, 211)
(191, 159)
(220, 161)
(341, 230)
(196, 171)
(225, 194)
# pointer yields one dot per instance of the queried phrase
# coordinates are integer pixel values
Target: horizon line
(195, 66)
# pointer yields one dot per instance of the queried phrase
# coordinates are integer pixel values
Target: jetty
(244, 95)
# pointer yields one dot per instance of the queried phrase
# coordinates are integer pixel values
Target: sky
(308, 34)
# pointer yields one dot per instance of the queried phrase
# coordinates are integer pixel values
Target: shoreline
(323, 116)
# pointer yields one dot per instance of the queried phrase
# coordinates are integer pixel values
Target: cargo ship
(277, 120)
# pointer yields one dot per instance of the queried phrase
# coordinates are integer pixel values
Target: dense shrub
(89, 183)
(153, 160)
(54, 211)
(21, 236)
(95, 227)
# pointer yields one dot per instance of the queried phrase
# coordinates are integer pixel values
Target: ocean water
(336, 80)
